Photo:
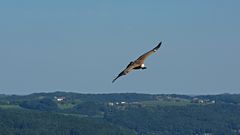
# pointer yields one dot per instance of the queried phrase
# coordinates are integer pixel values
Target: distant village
(168, 98)
(203, 101)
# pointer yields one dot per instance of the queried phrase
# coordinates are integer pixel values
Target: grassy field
(10, 107)
(179, 102)
(65, 106)
(68, 104)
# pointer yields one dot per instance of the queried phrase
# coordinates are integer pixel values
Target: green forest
(64, 113)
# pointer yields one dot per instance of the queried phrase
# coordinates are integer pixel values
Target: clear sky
(81, 45)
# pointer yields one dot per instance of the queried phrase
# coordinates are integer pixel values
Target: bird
(138, 63)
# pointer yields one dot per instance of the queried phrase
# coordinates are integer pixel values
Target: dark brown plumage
(137, 64)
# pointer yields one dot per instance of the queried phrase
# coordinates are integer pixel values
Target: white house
(59, 99)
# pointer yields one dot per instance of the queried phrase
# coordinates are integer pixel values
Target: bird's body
(137, 64)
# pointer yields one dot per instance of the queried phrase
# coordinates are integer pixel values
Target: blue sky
(80, 46)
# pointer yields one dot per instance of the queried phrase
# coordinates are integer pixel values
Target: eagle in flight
(137, 64)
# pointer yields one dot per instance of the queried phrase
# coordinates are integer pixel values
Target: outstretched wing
(144, 56)
(121, 74)
(128, 69)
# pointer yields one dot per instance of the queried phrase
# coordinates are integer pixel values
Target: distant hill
(69, 113)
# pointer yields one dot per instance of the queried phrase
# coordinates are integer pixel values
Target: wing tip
(157, 47)
(114, 80)
(159, 44)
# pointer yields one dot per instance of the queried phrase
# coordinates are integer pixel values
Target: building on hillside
(203, 101)
(110, 103)
(59, 99)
